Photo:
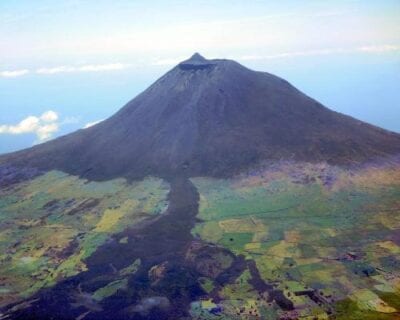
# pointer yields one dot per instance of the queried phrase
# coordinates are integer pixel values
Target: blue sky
(84, 59)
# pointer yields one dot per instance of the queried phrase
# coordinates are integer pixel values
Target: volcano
(217, 193)
(211, 117)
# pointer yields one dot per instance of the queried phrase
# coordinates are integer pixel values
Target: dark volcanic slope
(211, 117)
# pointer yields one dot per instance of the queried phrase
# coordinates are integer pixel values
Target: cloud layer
(370, 49)
(44, 126)
(364, 49)
(84, 68)
(14, 73)
(65, 69)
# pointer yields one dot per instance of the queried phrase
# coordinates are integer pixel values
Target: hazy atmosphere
(68, 64)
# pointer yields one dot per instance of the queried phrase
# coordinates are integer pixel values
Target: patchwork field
(51, 224)
(290, 241)
(327, 238)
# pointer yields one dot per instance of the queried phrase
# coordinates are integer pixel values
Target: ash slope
(211, 117)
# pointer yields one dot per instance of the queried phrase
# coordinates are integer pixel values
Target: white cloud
(43, 126)
(54, 70)
(66, 69)
(45, 132)
(102, 67)
(376, 49)
(14, 73)
(91, 124)
(380, 49)
(291, 54)
(29, 124)
(365, 49)
(83, 68)
(49, 116)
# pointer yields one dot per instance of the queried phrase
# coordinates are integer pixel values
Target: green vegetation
(51, 224)
(110, 289)
(310, 228)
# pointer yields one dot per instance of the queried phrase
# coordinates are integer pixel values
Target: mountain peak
(196, 62)
(210, 118)
(197, 57)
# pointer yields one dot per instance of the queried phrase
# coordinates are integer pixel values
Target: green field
(51, 224)
(315, 229)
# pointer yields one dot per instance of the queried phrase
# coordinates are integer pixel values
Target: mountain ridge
(215, 118)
